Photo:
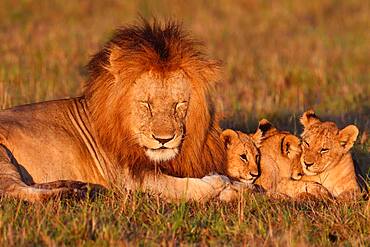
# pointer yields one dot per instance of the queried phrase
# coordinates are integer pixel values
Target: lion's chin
(161, 155)
(248, 180)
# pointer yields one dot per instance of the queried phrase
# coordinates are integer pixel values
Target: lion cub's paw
(318, 191)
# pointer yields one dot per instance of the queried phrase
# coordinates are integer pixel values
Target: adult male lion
(145, 119)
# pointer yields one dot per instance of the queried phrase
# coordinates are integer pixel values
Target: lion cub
(266, 158)
(243, 155)
(326, 156)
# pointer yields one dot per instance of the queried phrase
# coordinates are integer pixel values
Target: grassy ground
(280, 58)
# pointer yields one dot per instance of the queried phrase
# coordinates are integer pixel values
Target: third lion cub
(326, 156)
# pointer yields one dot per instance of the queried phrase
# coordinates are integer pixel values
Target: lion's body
(146, 119)
(48, 142)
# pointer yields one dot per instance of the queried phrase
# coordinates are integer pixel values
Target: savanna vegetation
(280, 58)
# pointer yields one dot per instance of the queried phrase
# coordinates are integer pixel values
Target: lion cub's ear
(290, 146)
(257, 138)
(228, 137)
(348, 136)
(308, 118)
(264, 128)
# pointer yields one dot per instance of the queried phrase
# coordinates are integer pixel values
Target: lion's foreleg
(189, 189)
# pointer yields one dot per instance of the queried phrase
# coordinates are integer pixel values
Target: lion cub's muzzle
(308, 167)
(297, 175)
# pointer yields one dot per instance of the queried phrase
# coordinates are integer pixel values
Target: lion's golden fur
(97, 138)
(161, 49)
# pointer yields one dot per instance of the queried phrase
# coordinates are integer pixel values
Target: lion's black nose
(163, 140)
(308, 164)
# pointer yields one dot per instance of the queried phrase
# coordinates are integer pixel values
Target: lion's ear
(290, 146)
(114, 60)
(264, 128)
(228, 136)
(308, 118)
(348, 136)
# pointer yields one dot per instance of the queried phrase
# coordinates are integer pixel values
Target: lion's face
(158, 113)
(323, 144)
(243, 156)
(150, 94)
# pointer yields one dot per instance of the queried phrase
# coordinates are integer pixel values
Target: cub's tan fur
(326, 156)
(146, 120)
(243, 155)
(279, 152)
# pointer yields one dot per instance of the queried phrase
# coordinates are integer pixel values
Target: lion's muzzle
(162, 148)
(163, 139)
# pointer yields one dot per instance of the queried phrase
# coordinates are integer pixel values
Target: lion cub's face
(323, 144)
(242, 155)
(158, 113)
(282, 147)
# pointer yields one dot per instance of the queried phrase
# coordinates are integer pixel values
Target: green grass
(140, 219)
(280, 58)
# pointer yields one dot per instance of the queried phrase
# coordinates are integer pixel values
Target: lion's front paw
(229, 194)
(216, 181)
(207, 187)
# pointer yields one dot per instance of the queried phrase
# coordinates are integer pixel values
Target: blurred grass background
(280, 57)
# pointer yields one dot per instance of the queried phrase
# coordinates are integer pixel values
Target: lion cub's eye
(305, 143)
(244, 158)
(324, 150)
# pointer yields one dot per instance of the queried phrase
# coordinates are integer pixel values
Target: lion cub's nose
(308, 164)
(163, 139)
(253, 174)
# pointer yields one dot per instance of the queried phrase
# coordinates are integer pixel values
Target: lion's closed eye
(180, 105)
